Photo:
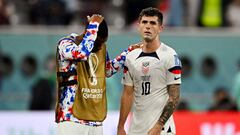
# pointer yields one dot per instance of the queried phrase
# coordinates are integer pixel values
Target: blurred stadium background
(205, 33)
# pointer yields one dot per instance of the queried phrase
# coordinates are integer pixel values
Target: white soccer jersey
(150, 73)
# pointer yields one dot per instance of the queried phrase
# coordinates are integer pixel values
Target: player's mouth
(147, 33)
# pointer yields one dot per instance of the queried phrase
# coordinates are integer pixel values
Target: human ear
(160, 28)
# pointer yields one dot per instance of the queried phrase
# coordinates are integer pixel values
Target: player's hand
(95, 18)
(156, 130)
(135, 46)
(121, 131)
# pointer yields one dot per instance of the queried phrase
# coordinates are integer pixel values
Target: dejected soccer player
(152, 77)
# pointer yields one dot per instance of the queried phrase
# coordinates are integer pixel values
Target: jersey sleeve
(115, 65)
(68, 50)
(174, 69)
(127, 78)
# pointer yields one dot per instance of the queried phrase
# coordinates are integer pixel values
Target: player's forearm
(89, 37)
(69, 48)
(174, 96)
(115, 65)
(126, 104)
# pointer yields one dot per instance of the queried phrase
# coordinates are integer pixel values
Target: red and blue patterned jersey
(113, 66)
(69, 54)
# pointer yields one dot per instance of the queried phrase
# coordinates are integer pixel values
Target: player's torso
(149, 74)
(90, 100)
(86, 99)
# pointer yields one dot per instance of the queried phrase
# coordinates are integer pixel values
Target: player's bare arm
(174, 96)
(126, 105)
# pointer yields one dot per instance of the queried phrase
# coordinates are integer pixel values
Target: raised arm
(115, 65)
(68, 47)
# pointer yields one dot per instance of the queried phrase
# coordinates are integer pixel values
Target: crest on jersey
(145, 67)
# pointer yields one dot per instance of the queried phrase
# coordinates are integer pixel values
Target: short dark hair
(150, 11)
(103, 30)
(102, 36)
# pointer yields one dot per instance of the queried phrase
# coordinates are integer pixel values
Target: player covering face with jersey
(152, 78)
(83, 64)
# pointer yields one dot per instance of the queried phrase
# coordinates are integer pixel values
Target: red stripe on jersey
(177, 71)
(93, 32)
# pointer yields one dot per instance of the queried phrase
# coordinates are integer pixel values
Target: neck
(151, 46)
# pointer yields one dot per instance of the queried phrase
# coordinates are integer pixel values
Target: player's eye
(153, 22)
(144, 22)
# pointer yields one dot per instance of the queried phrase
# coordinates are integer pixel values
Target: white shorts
(163, 133)
(71, 128)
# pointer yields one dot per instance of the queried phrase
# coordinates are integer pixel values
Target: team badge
(177, 69)
(145, 67)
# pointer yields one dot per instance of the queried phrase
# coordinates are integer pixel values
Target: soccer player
(82, 66)
(152, 77)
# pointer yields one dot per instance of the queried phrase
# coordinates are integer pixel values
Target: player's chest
(147, 66)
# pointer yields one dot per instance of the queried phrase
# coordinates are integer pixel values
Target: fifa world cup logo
(93, 65)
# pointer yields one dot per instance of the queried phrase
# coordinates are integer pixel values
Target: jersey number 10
(145, 88)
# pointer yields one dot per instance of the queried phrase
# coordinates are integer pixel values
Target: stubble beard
(147, 38)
